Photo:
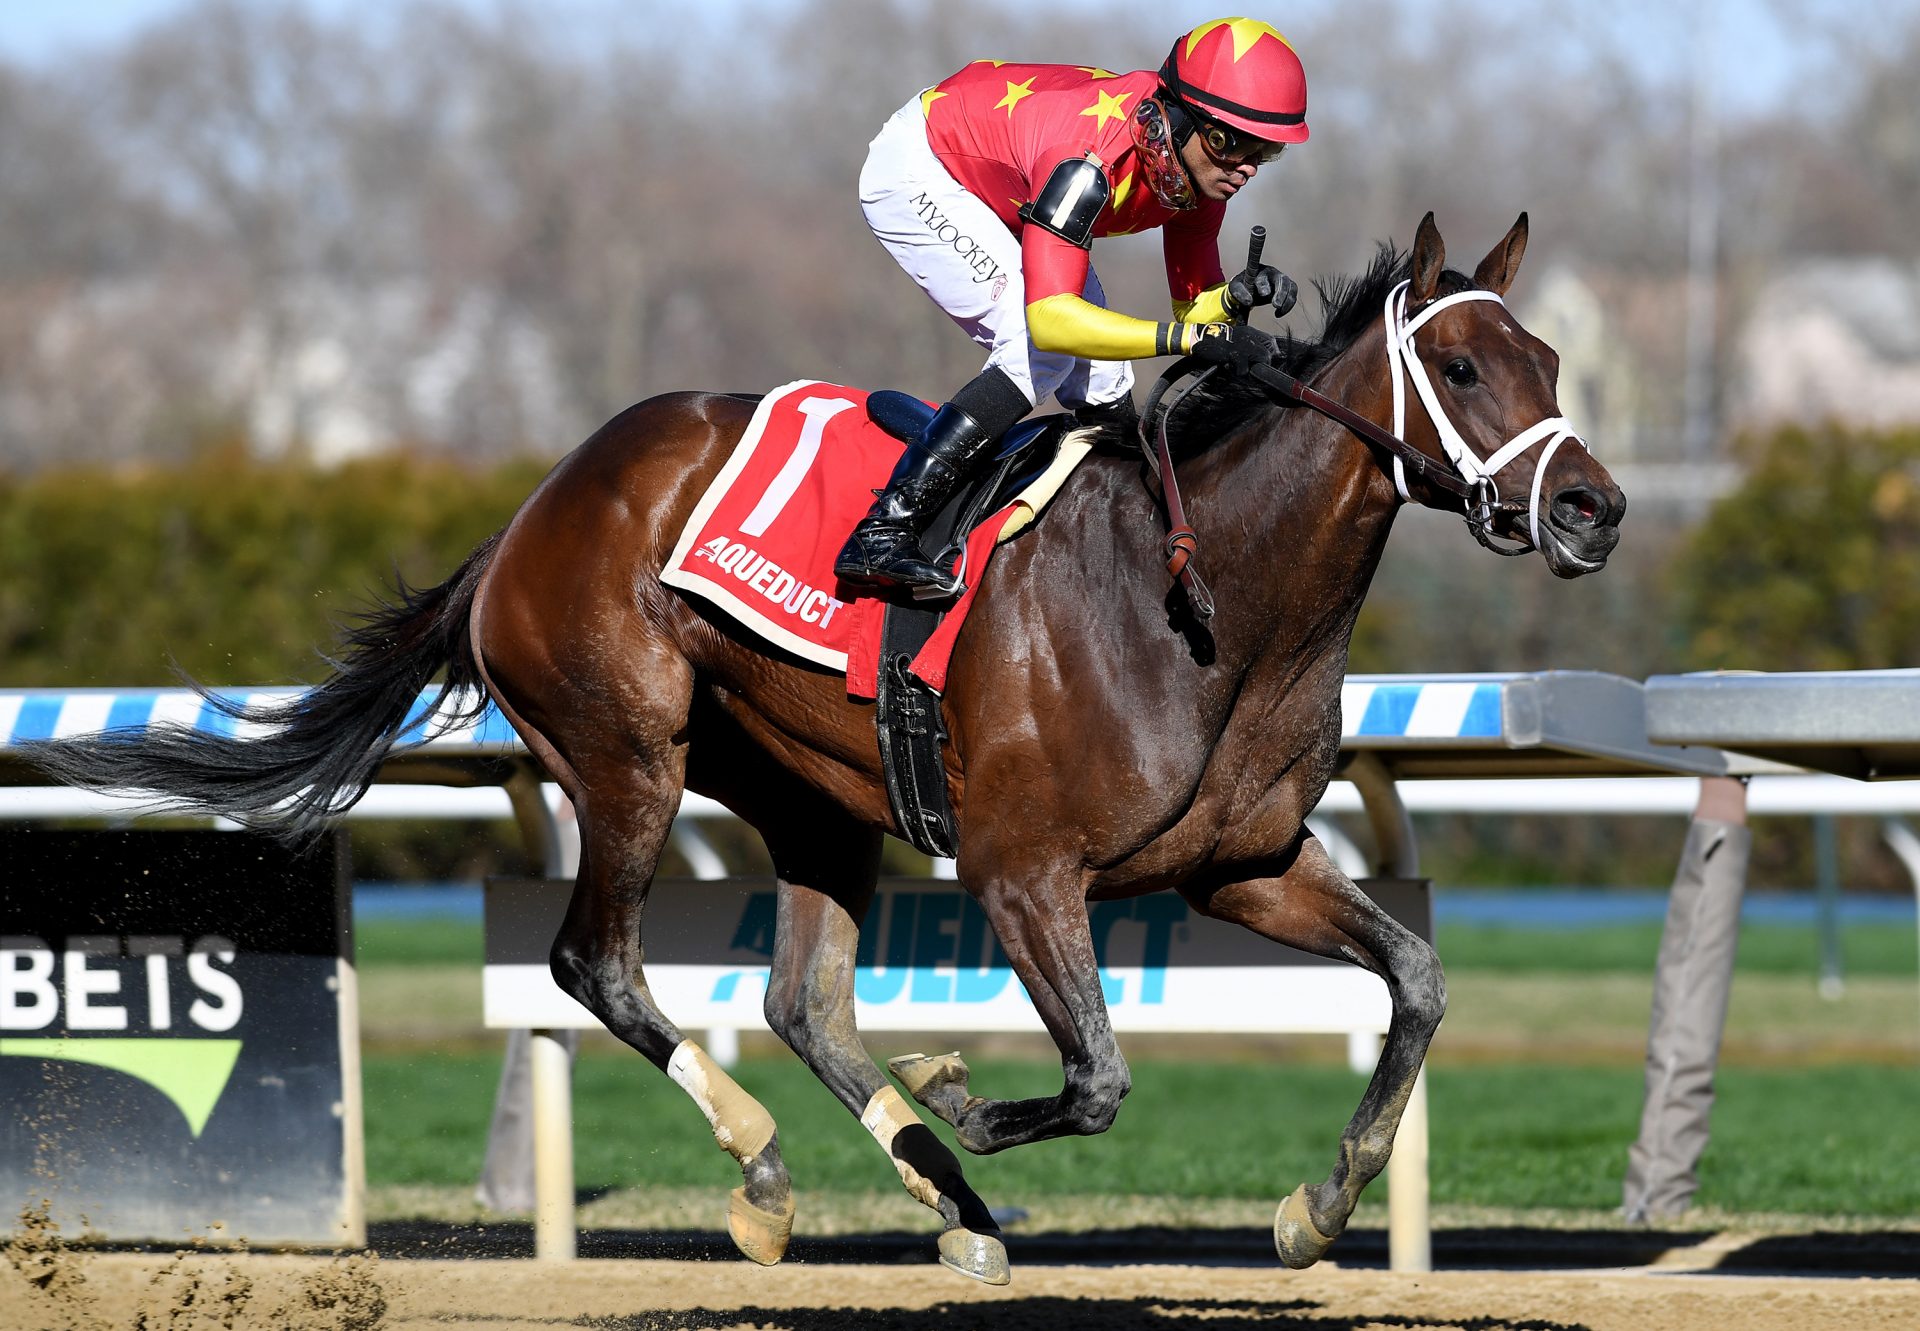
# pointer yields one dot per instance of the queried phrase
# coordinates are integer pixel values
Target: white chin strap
(1403, 364)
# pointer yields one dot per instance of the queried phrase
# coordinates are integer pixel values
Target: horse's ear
(1429, 260)
(1496, 271)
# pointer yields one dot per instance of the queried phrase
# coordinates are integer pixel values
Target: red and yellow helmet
(1242, 73)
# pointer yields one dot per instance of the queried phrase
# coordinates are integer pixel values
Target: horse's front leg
(1047, 940)
(1311, 905)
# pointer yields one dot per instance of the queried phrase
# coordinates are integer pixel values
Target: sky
(1763, 47)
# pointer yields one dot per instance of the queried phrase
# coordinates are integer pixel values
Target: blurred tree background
(1813, 563)
(297, 298)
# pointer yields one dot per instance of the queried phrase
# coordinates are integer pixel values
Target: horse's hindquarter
(584, 641)
(562, 642)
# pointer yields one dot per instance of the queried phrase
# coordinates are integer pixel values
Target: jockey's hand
(1261, 284)
(1235, 346)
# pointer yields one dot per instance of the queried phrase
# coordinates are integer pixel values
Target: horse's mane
(1349, 306)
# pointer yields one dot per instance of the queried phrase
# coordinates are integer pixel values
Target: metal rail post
(550, 1053)
(1901, 840)
(1397, 855)
(1692, 989)
(1395, 852)
(1826, 862)
(554, 1230)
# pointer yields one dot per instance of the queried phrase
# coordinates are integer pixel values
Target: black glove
(1262, 284)
(1235, 346)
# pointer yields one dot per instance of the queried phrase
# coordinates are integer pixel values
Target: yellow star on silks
(928, 98)
(1015, 91)
(1095, 72)
(1111, 106)
(995, 63)
(1246, 31)
(1121, 190)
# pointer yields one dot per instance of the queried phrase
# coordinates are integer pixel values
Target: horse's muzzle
(1581, 527)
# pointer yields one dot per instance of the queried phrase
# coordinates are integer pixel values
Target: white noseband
(1554, 431)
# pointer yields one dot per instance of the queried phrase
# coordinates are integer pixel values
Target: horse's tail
(317, 753)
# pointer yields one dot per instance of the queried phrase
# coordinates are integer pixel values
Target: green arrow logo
(191, 1073)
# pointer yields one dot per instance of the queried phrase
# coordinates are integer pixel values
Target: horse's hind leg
(826, 866)
(630, 772)
(1311, 905)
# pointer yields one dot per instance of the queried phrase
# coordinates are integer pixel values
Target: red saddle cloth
(761, 543)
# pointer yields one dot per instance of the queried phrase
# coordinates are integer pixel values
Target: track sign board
(929, 962)
(179, 1043)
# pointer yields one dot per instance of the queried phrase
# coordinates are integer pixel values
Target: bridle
(1483, 495)
(1465, 479)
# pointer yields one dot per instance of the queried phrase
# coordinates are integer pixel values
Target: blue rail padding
(213, 721)
(39, 714)
(1387, 705)
(1450, 709)
(1564, 722)
(37, 718)
(1392, 706)
(131, 709)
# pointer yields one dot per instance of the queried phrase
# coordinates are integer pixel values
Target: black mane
(1349, 306)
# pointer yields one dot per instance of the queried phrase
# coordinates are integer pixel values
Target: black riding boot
(884, 550)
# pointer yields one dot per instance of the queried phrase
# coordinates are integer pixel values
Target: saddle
(906, 709)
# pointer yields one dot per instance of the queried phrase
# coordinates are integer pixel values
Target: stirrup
(888, 577)
(898, 564)
(949, 588)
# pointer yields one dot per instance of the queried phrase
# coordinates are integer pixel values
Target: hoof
(1295, 1237)
(982, 1257)
(761, 1236)
(927, 1075)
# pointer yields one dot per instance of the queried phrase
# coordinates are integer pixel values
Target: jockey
(990, 188)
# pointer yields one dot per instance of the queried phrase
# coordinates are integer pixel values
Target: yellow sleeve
(1070, 326)
(1209, 307)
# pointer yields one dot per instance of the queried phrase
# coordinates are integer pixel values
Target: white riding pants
(963, 256)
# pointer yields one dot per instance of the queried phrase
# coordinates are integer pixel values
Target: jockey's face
(1212, 179)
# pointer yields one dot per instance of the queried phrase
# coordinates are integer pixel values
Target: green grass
(1765, 949)
(1815, 1141)
(417, 942)
(1536, 1086)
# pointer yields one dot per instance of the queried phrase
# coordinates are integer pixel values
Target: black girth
(907, 715)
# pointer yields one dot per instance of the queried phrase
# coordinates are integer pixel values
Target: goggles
(1159, 153)
(1228, 147)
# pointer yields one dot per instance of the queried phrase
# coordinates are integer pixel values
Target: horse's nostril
(1579, 507)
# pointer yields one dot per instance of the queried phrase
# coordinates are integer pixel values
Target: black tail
(322, 748)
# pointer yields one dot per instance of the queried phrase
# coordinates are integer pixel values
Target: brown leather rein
(1472, 498)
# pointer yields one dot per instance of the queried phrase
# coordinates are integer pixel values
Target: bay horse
(1101, 746)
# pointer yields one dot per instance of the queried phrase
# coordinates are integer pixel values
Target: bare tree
(485, 230)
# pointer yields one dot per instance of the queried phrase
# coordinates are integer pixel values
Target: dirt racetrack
(155, 1291)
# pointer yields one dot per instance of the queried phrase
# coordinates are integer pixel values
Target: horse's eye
(1460, 373)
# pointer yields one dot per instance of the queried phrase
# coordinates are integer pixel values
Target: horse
(1103, 743)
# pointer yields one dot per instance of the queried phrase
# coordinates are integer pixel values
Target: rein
(1183, 543)
(1464, 476)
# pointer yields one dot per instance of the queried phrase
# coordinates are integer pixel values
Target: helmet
(1242, 73)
